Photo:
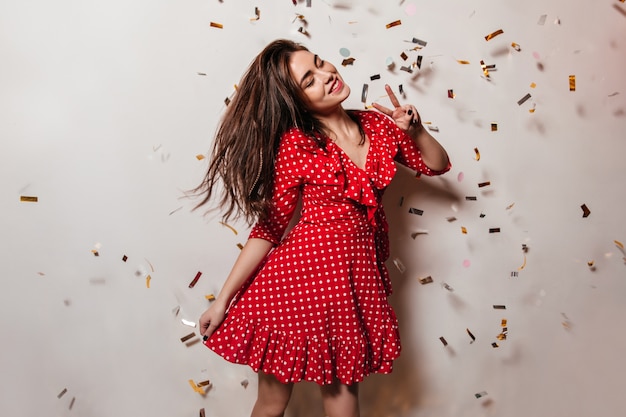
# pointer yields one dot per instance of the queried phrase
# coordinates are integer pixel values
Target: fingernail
(204, 338)
(410, 112)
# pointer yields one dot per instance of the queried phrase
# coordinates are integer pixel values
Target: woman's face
(320, 82)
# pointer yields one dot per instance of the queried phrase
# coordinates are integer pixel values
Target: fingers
(392, 96)
(382, 109)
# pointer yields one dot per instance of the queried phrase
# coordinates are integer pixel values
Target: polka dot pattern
(317, 309)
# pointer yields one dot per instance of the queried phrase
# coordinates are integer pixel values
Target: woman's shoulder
(371, 117)
(296, 138)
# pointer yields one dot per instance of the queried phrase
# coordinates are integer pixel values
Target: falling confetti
(416, 211)
(195, 280)
(494, 127)
(348, 61)
(426, 280)
(210, 297)
(477, 154)
(217, 25)
(230, 227)
(364, 93)
(494, 34)
(572, 83)
(394, 23)
(484, 184)
(444, 341)
(398, 263)
(451, 94)
(523, 99)
(29, 199)
(586, 211)
(148, 278)
(187, 337)
(516, 47)
(471, 335)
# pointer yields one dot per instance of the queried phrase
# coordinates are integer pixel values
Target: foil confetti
(586, 211)
(419, 42)
(210, 297)
(494, 34)
(499, 307)
(187, 337)
(62, 393)
(348, 61)
(572, 83)
(29, 199)
(484, 184)
(471, 335)
(216, 25)
(494, 230)
(230, 227)
(477, 154)
(516, 47)
(426, 280)
(494, 127)
(195, 280)
(451, 94)
(416, 211)
(523, 99)
(398, 263)
(364, 93)
(444, 341)
(393, 24)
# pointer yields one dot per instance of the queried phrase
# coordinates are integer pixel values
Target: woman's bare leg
(341, 400)
(272, 398)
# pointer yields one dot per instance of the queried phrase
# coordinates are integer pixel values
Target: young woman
(311, 305)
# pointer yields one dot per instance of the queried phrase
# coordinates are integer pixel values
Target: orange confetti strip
(494, 34)
(572, 83)
(533, 85)
(210, 297)
(239, 245)
(196, 388)
(463, 230)
(523, 264)
(199, 157)
(217, 25)
(394, 23)
(148, 278)
(28, 199)
(516, 47)
(477, 156)
(462, 62)
(230, 227)
(619, 244)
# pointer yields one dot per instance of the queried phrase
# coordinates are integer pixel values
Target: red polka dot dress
(317, 309)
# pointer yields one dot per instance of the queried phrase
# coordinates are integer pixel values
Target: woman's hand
(211, 319)
(406, 117)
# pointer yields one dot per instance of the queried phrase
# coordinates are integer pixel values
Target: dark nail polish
(410, 112)
(204, 338)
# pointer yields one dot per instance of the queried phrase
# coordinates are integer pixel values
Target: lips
(336, 86)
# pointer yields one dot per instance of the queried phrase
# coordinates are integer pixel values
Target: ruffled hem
(293, 359)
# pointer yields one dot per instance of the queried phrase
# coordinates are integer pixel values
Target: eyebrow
(308, 73)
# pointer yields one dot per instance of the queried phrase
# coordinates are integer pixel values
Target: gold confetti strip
(257, 14)
(62, 393)
(148, 278)
(516, 47)
(533, 85)
(200, 157)
(210, 297)
(240, 246)
(494, 34)
(471, 335)
(510, 206)
(451, 94)
(197, 389)
(230, 227)
(394, 23)
(572, 83)
(484, 184)
(463, 230)
(586, 211)
(477, 154)
(404, 56)
(189, 336)
(494, 127)
(523, 264)
(195, 280)
(444, 341)
(462, 62)
(619, 244)
(203, 383)
(28, 199)
(217, 25)
(426, 280)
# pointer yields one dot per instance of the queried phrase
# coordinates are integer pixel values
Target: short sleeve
(409, 153)
(286, 189)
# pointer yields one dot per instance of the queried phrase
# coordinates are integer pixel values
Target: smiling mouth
(337, 84)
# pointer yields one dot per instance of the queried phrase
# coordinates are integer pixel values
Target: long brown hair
(267, 103)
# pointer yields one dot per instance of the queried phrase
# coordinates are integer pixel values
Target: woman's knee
(273, 397)
(341, 400)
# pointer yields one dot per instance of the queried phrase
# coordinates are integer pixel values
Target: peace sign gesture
(406, 116)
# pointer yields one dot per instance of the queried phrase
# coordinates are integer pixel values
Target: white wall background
(103, 110)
